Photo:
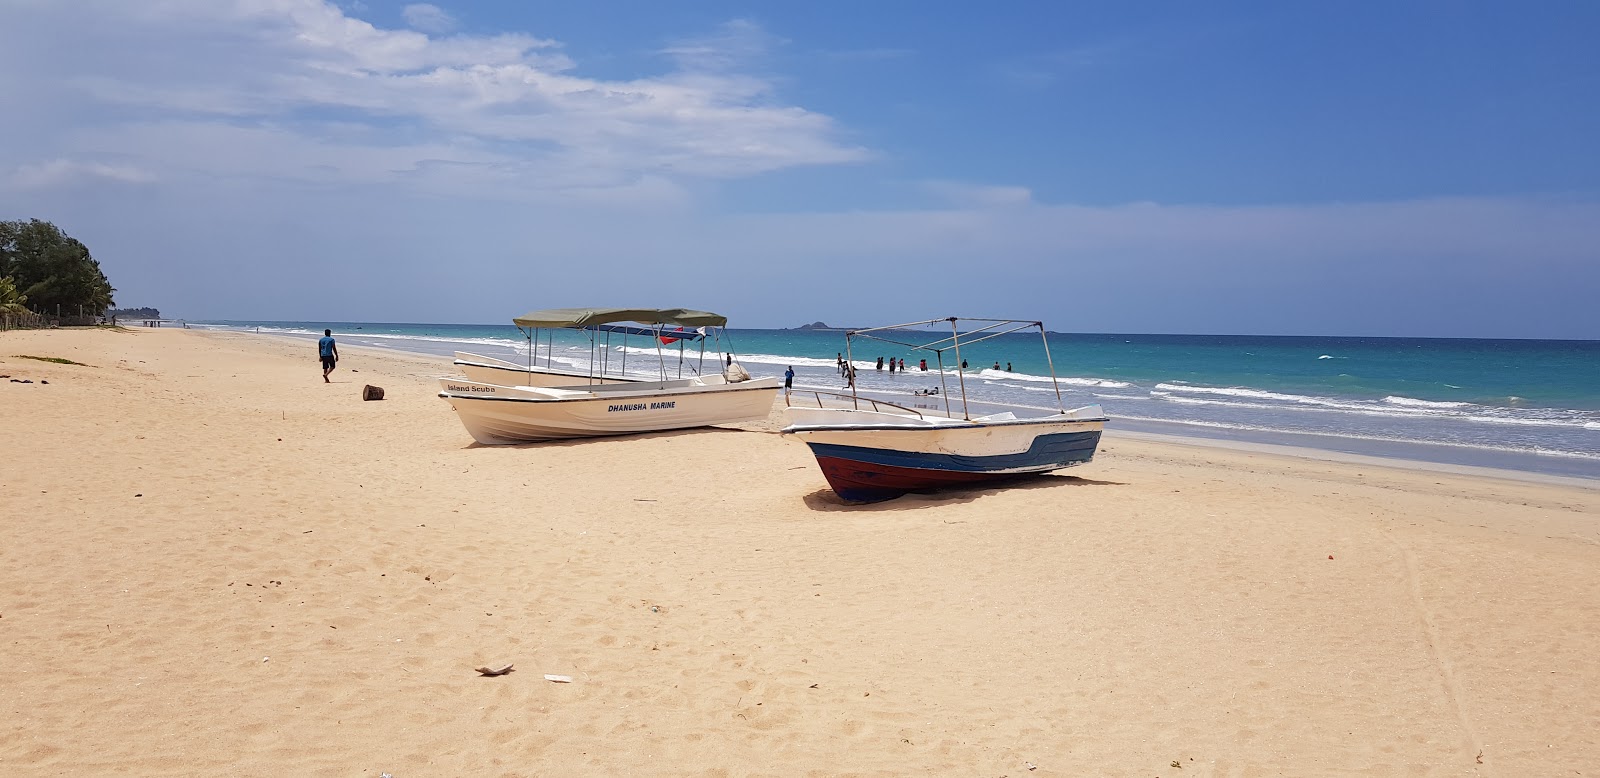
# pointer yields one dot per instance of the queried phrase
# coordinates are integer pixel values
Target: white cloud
(983, 196)
(290, 75)
(428, 18)
(58, 172)
(735, 44)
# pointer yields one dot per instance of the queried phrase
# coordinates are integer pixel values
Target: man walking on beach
(329, 353)
(788, 378)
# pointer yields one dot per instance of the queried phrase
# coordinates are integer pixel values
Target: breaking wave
(1392, 406)
(1414, 403)
(990, 372)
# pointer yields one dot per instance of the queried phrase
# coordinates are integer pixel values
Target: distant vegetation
(57, 360)
(134, 313)
(46, 270)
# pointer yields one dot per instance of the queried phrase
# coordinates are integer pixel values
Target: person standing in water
(329, 352)
(1008, 368)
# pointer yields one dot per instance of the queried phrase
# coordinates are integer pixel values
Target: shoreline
(1422, 456)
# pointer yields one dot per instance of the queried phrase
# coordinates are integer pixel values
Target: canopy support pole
(1060, 405)
(961, 377)
(849, 366)
(661, 359)
(943, 388)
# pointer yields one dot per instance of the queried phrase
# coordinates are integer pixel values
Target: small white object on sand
(493, 671)
(558, 678)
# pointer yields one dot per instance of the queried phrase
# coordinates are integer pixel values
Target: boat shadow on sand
(825, 500)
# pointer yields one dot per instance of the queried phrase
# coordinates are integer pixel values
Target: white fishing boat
(500, 414)
(523, 414)
(871, 449)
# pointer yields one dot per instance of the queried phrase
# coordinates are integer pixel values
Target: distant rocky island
(823, 326)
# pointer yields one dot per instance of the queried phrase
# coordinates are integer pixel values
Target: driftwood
(493, 671)
(372, 392)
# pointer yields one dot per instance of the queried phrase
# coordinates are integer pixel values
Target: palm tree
(11, 301)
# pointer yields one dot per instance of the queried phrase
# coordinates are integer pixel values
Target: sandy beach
(215, 564)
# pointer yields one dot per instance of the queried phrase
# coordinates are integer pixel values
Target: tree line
(44, 269)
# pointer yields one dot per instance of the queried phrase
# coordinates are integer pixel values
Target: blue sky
(1276, 168)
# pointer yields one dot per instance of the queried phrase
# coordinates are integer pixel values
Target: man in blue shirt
(788, 378)
(329, 353)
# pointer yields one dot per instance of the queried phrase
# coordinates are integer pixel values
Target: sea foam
(990, 372)
(1415, 403)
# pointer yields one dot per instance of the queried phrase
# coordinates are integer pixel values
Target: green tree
(51, 268)
(11, 301)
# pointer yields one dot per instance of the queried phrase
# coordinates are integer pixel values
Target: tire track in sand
(1447, 677)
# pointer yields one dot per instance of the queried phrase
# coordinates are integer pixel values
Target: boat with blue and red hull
(868, 474)
(873, 449)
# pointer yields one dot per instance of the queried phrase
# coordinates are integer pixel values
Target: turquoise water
(1537, 398)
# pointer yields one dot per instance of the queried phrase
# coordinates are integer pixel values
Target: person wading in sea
(329, 352)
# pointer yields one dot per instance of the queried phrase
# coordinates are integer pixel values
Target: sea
(1527, 405)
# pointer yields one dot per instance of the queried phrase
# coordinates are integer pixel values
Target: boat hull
(509, 415)
(868, 465)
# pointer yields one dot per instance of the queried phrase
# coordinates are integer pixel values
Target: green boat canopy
(575, 318)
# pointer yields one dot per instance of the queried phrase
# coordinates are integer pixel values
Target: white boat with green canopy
(607, 364)
(501, 413)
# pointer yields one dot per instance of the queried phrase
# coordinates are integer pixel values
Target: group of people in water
(847, 371)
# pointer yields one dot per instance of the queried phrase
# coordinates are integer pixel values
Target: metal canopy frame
(954, 341)
(656, 330)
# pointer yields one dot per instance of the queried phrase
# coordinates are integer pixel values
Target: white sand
(214, 564)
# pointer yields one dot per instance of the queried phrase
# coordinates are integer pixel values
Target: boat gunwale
(957, 424)
(593, 398)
